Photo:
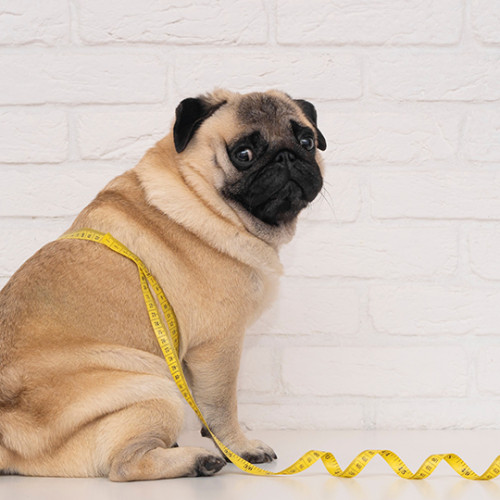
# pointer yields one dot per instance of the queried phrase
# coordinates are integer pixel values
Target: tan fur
(84, 390)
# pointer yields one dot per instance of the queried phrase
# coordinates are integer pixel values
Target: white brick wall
(225, 22)
(380, 371)
(376, 22)
(21, 22)
(74, 77)
(39, 136)
(389, 311)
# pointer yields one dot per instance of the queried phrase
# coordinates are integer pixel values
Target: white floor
(376, 481)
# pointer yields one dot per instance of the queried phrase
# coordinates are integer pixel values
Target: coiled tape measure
(168, 338)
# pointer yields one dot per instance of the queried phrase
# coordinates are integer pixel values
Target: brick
(22, 22)
(485, 20)
(488, 370)
(21, 238)
(389, 137)
(482, 136)
(258, 370)
(376, 22)
(436, 194)
(466, 413)
(336, 415)
(365, 251)
(462, 77)
(324, 76)
(75, 77)
(51, 191)
(375, 371)
(180, 22)
(484, 249)
(119, 135)
(33, 136)
(434, 310)
(306, 306)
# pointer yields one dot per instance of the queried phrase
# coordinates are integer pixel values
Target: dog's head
(261, 150)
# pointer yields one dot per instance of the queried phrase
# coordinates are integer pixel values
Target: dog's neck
(180, 191)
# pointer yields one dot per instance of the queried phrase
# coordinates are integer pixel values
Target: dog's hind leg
(150, 455)
(134, 443)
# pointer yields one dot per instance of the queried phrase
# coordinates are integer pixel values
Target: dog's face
(263, 145)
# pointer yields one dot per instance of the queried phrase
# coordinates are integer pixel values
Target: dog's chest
(250, 295)
(226, 302)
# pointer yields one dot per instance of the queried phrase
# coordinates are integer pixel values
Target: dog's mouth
(281, 207)
(277, 193)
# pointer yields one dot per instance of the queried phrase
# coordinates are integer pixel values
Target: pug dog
(84, 389)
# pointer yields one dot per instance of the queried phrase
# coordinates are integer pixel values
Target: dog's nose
(285, 156)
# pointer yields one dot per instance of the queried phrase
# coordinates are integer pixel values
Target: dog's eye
(244, 155)
(307, 143)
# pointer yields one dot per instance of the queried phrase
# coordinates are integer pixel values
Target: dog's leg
(212, 371)
(152, 454)
(134, 443)
(99, 420)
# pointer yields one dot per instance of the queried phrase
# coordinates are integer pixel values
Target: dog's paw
(258, 452)
(253, 451)
(208, 465)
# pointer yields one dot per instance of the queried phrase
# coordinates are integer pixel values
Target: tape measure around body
(168, 339)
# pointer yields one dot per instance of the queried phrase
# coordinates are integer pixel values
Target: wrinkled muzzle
(280, 190)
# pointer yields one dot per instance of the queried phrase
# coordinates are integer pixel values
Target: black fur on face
(277, 180)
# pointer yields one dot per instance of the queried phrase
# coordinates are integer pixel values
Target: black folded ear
(189, 115)
(310, 111)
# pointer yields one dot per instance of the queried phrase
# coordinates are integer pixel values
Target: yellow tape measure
(169, 343)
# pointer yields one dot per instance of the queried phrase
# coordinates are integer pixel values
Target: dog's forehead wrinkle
(256, 108)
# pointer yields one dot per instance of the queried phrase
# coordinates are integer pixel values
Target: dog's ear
(189, 115)
(310, 111)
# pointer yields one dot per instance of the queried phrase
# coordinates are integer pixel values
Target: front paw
(253, 451)
(258, 452)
